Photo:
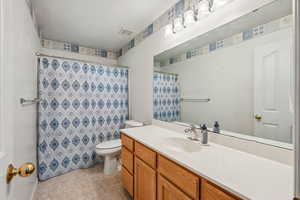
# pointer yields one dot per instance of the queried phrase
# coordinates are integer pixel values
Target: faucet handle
(192, 128)
(187, 130)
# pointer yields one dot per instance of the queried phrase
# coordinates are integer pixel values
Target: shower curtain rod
(80, 60)
(166, 73)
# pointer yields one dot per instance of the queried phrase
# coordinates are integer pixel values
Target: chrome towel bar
(29, 102)
(195, 100)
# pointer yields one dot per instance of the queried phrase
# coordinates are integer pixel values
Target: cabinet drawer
(167, 191)
(210, 191)
(127, 181)
(127, 142)
(185, 180)
(145, 154)
(127, 159)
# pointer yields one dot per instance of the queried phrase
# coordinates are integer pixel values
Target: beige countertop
(245, 175)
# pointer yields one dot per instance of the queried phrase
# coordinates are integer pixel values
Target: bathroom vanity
(161, 164)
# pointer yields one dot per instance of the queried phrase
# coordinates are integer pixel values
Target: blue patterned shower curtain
(81, 105)
(166, 97)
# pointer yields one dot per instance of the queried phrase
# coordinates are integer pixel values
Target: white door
(272, 91)
(6, 139)
(17, 79)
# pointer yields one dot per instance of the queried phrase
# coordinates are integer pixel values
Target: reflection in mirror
(239, 75)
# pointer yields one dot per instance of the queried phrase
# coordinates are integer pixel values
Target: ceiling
(272, 11)
(96, 23)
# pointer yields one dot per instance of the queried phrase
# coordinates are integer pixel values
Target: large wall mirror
(239, 75)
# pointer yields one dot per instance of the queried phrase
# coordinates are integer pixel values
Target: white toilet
(111, 150)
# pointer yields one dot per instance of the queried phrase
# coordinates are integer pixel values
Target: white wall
(226, 76)
(140, 58)
(87, 58)
(20, 63)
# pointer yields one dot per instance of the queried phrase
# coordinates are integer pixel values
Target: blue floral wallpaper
(81, 105)
(166, 99)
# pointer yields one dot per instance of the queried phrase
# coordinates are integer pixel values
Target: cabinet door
(167, 191)
(212, 192)
(144, 181)
(127, 181)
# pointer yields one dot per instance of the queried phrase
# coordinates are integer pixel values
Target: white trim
(3, 147)
(34, 189)
(297, 95)
(1, 72)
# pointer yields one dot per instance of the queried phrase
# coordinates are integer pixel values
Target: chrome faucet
(193, 131)
(195, 136)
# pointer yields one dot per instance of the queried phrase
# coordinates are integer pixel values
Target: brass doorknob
(258, 117)
(24, 171)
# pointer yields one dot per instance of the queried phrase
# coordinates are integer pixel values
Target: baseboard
(34, 189)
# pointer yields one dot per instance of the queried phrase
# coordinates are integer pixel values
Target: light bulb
(189, 18)
(220, 3)
(203, 8)
(178, 24)
(169, 30)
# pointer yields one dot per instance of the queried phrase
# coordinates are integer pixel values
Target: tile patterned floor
(82, 184)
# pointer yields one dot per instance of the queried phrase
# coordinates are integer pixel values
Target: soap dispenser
(204, 134)
(216, 128)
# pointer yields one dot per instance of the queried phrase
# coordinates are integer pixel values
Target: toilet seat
(109, 147)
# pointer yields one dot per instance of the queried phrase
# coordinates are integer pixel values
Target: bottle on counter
(216, 128)
(204, 134)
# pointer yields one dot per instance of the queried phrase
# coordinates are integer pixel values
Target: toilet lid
(109, 144)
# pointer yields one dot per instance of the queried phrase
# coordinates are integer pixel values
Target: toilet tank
(132, 124)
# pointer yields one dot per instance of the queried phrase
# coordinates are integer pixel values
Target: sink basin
(182, 145)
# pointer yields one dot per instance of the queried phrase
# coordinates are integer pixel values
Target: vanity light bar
(191, 16)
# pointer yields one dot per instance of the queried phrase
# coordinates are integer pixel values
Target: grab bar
(29, 102)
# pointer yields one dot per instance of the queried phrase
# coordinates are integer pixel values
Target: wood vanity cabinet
(147, 175)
